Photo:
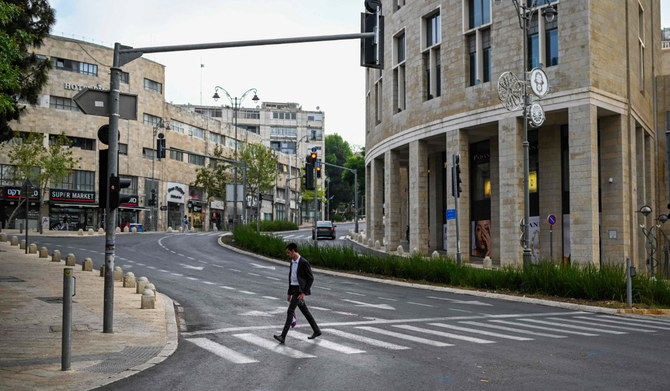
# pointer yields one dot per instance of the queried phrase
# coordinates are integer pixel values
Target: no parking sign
(551, 219)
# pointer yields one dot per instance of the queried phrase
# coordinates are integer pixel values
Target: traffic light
(372, 49)
(309, 176)
(456, 177)
(102, 178)
(152, 199)
(311, 158)
(160, 147)
(115, 196)
(318, 169)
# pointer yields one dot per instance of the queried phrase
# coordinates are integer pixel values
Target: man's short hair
(292, 247)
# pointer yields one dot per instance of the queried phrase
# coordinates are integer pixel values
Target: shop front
(71, 210)
(196, 207)
(175, 199)
(9, 201)
(129, 212)
(216, 209)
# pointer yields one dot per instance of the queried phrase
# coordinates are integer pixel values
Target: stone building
(191, 136)
(596, 159)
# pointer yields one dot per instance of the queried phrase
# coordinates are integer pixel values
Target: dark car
(324, 229)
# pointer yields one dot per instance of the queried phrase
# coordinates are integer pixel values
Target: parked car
(324, 229)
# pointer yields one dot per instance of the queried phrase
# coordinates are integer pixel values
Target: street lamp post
(154, 217)
(235, 103)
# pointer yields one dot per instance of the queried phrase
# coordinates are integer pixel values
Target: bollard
(141, 282)
(55, 257)
(630, 272)
(102, 270)
(70, 260)
(148, 299)
(22, 244)
(169, 229)
(80, 232)
(117, 230)
(153, 289)
(435, 255)
(126, 229)
(400, 250)
(44, 253)
(15, 241)
(69, 290)
(129, 280)
(101, 231)
(370, 242)
(87, 266)
(134, 230)
(3, 237)
(488, 265)
(118, 273)
(377, 245)
(32, 249)
(90, 231)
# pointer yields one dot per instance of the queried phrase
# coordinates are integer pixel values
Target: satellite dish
(318, 108)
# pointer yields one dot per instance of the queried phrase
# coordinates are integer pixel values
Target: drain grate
(10, 279)
(52, 300)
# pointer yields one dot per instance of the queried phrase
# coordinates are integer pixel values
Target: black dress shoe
(318, 333)
(279, 338)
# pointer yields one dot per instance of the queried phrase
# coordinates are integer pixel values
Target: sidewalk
(31, 323)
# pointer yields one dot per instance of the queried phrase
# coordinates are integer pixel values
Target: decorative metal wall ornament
(510, 91)
(539, 82)
(536, 117)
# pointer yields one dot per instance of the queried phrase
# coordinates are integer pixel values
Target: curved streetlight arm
(234, 101)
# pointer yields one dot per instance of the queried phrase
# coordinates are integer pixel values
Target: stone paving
(31, 291)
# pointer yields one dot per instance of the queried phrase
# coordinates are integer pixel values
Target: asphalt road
(304, 235)
(375, 336)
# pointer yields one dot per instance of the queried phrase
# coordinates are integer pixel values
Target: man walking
(300, 281)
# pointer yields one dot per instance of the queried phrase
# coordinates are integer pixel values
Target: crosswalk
(397, 336)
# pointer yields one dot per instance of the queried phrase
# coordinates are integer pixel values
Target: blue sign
(451, 214)
(551, 219)
(313, 149)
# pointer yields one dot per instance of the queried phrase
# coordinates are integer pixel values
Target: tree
(213, 179)
(23, 25)
(356, 162)
(40, 164)
(338, 152)
(261, 164)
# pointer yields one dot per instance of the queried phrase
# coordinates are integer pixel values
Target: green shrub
(274, 225)
(336, 218)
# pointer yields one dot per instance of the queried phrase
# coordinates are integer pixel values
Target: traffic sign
(96, 102)
(551, 219)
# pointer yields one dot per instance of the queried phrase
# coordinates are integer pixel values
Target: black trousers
(295, 292)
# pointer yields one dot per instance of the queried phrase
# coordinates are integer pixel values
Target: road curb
(490, 295)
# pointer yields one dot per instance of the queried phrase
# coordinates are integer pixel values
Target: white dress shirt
(294, 272)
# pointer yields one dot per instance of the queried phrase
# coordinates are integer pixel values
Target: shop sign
(176, 192)
(75, 196)
(79, 87)
(15, 193)
(217, 204)
(132, 201)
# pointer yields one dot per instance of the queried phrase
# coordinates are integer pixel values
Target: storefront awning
(133, 208)
(77, 205)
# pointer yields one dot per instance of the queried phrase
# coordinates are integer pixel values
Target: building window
(125, 77)
(378, 99)
(399, 93)
(479, 13)
(432, 72)
(315, 134)
(250, 128)
(283, 146)
(153, 85)
(317, 117)
(479, 49)
(77, 180)
(251, 114)
(132, 189)
(61, 103)
(217, 138)
(196, 159)
(640, 37)
(279, 131)
(282, 115)
(75, 66)
(87, 144)
(215, 113)
(176, 155)
(177, 126)
(542, 40)
(9, 175)
(196, 132)
(148, 153)
(123, 149)
(151, 120)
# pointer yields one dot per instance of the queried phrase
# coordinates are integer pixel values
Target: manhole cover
(10, 279)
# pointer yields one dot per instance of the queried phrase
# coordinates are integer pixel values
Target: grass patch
(607, 283)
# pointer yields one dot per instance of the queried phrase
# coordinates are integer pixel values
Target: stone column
(376, 188)
(368, 201)
(436, 178)
(641, 193)
(510, 168)
(458, 143)
(550, 189)
(583, 166)
(495, 197)
(615, 194)
(418, 196)
(404, 202)
(393, 229)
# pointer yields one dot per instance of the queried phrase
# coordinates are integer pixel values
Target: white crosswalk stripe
(222, 351)
(443, 334)
(475, 331)
(369, 341)
(504, 328)
(404, 336)
(604, 325)
(327, 344)
(563, 324)
(633, 322)
(543, 328)
(272, 345)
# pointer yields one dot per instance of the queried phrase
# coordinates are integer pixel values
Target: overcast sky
(325, 74)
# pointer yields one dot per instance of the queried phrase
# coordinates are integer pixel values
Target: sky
(326, 75)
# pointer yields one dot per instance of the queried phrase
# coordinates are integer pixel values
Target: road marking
(355, 294)
(328, 344)
(215, 265)
(191, 258)
(140, 264)
(467, 330)
(271, 297)
(559, 324)
(177, 274)
(201, 261)
(494, 326)
(386, 298)
(273, 345)
(369, 341)
(209, 283)
(288, 236)
(163, 271)
(319, 308)
(425, 305)
(185, 266)
(442, 334)
(344, 313)
(361, 304)
(262, 266)
(235, 270)
(454, 301)
(633, 322)
(342, 237)
(126, 266)
(247, 292)
(180, 254)
(151, 267)
(404, 336)
(230, 288)
(221, 351)
(543, 328)
(324, 288)
(603, 325)
(173, 252)
(272, 278)
(192, 278)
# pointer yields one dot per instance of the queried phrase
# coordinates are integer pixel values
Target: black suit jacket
(305, 276)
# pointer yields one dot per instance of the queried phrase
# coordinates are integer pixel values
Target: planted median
(606, 285)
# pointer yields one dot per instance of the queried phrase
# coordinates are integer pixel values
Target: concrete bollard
(70, 260)
(170, 229)
(181, 229)
(87, 266)
(488, 265)
(435, 255)
(400, 250)
(44, 253)
(126, 229)
(117, 230)
(415, 251)
(15, 241)
(134, 230)
(102, 271)
(118, 273)
(80, 232)
(141, 282)
(90, 232)
(370, 242)
(32, 249)
(148, 299)
(377, 245)
(55, 257)
(101, 231)
(22, 244)
(152, 287)
(3, 237)
(215, 229)
(129, 280)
